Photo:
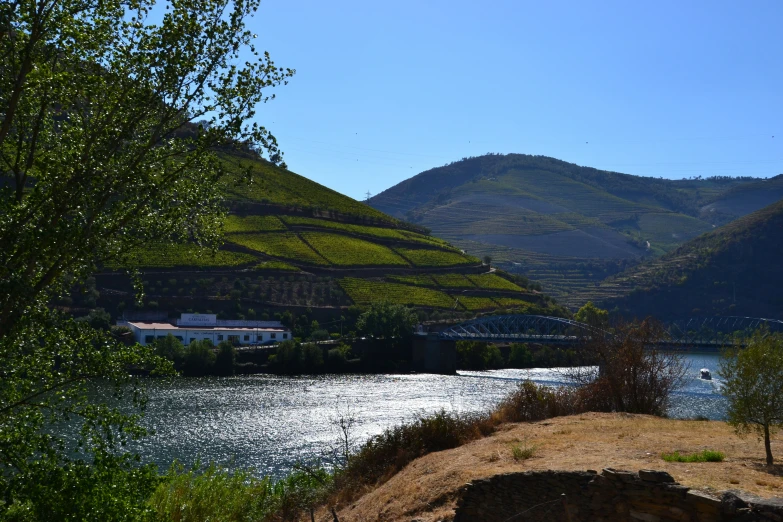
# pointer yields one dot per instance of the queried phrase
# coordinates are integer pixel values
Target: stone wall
(612, 495)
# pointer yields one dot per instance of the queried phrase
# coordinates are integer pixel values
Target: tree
(753, 385)
(172, 349)
(200, 358)
(226, 359)
(388, 321)
(111, 134)
(629, 373)
(487, 260)
(593, 316)
(478, 355)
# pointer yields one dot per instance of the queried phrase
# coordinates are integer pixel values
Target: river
(269, 423)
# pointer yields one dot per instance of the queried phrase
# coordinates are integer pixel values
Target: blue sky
(385, 90)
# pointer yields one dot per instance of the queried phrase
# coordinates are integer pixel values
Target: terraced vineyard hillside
(290, 242)
(563, 225)
(733, 270)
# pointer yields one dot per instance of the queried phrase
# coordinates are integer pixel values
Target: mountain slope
(733, 270)
(564, 225)
(290, 242)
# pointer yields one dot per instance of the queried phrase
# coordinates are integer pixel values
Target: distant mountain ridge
(565, 225)
(733, 270)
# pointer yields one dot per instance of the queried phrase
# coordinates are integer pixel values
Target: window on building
(273, 336)
(148, 339)
(220, 337)
(179, 338)
(192, 339)
(285, 336)
(247, 338)
(259, 338)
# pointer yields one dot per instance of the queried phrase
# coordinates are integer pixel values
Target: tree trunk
(767, 445)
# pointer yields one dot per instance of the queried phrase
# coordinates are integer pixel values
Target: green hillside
(733, 270)
(563, 225)
(290, 242)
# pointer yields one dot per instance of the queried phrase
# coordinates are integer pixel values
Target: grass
(215, 494)
(436, 258)
(362, 291)
(702, 456)
(523, 452)
(286, 245)
(350, 251)
(277, 186)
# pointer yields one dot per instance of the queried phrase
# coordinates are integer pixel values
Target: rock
(731, 503)
(651, 475)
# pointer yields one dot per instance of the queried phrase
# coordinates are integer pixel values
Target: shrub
(313, 357)
(520, 356)
(477, 355)
(171, 348)
(214, 494)
(629, 373)
(199, 358)
(384, 455)
(534, 402)
(319, 335)
(225, 360)
(292, 357)
(336, 358)
(523, 452)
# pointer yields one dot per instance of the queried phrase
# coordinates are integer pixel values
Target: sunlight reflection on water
(269, 422)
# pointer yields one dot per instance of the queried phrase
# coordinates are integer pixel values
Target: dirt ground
(426, 490)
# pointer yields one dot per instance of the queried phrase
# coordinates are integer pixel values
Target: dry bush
(631, 373)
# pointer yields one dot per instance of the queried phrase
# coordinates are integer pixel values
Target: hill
(292, 244)
(429, 488)
(733, 270)
(564, 225)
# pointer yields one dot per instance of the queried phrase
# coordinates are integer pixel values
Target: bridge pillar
(432, 354)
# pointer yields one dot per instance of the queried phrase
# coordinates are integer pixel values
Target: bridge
(697, 332)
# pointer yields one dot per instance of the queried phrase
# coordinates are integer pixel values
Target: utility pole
(368, 196)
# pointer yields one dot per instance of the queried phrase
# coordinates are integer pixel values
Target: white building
(195, 327)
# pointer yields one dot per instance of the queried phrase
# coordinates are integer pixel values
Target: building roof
(143, 325)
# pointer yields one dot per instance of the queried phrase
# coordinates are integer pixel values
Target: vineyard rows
(286, 245)
(171, 256)
(435, 258)
(234, 224)
(349, 251)
(362, 291)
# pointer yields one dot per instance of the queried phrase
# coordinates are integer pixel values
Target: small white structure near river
(195, 327)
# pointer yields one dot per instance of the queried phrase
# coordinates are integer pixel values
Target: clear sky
(387, 89)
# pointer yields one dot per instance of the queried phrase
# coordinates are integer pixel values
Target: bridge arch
(692, 331)
(524, 328)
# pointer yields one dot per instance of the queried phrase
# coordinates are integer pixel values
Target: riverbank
(427, 489)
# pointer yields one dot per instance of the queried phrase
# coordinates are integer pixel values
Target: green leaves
(101, 155)
(753, 385)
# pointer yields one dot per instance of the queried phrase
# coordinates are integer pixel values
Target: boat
(705, 374)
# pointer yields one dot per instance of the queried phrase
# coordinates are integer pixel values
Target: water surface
(270, 422)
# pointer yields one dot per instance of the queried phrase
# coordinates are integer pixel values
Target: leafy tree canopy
(388, 321)
(111, 126)
(753, 384)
